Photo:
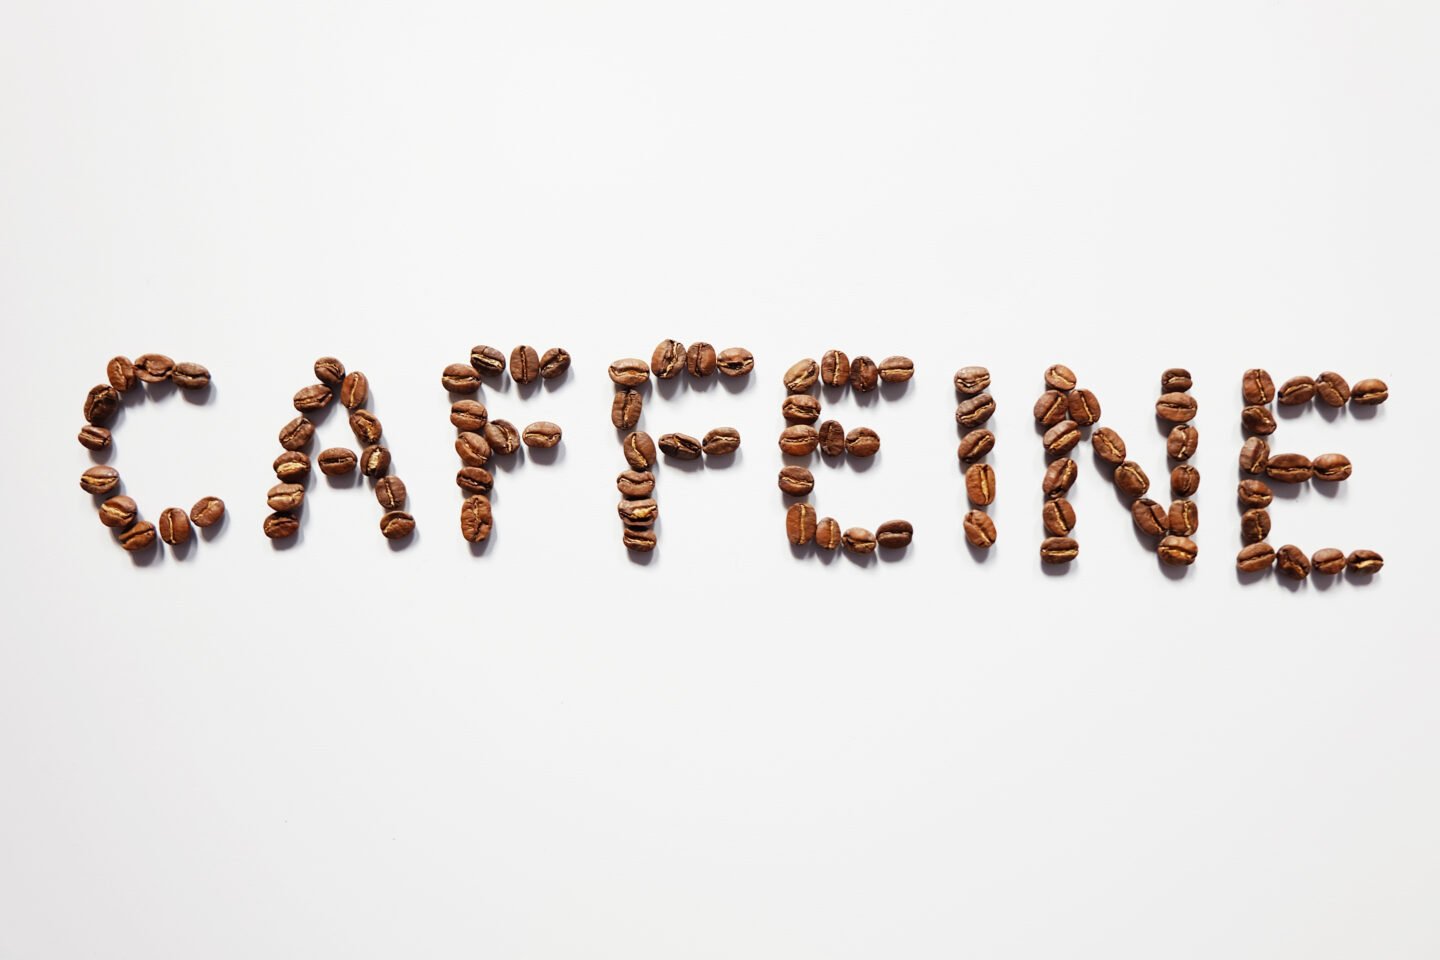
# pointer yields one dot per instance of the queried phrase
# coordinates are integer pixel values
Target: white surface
(342, 750)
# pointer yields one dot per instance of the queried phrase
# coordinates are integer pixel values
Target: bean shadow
(981, 554)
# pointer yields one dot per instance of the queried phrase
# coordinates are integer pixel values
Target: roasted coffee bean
(101, 403)
(796, 481)
(800, 408)
(971, 380)
(862, 442)
(1060, 377)
(1177, 551)
(832, 438)
(476, 518)
(473, 449)
(1183, 441)
(1108, 446)
(975, 444)
(1184, 518)
(895, 534)
(189, 376)
(1258, 420)
(1176, 407)
(639, 450)
(314, 397)
(390, 492)
(625, 409)
(700, 360)
(285, 496)
(1131, 479)
(1369, 392)
(858, 540)
(1150, 517)
(138, 536)
(864, 375)
(975, 410)
(94, 438)
(681, 446)
(1176, 380)
(1051, 408)
(1332, 389)
(668, 360)
(1296, 391)
(118, 511)
(280, 526)
(635, 484)
(487, 360)
(834, 368)
(1256, 493)
(1084, 407)
(1289, 468)
(735, 361)
(396, 525)
(291, 465)
(980, 484)
(1332, 467)
(721, 441)
(555, 361)
(979, 529)
(802, 375)
(1058, 517)
(296, 434)
(1184, 480)
(1328, 561)
(1254, 456)
(121, 373)
(542, 434)
(154, 367)
(896, 370)
(366, 426)
(524, 364)
(828, 535)
(502, 436)
(799, 440)
(474, 480)
(1059, 477)
(174, 526)
(469, 414)
(639, 539)
(1291, 561)
(629, 372)
(1061, 437)
(329, 371)
(1255, 558)
(1057, 550)
(374, 460)
(99, 479)
(1365, 561)
(207, 512)
(1257, 387)
(460, 378)
(354, 390)
(336, 461)
(800, 524)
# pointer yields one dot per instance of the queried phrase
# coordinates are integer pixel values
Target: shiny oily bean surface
(1364, 561)
(1176, 380)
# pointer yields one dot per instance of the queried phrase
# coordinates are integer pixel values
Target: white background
(548, 750)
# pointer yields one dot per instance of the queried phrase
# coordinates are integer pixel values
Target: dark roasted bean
(1176, 380)
(1332, 389)
(1176, 407)
(1108, 446)
(1183, 441)
(1184, 518)
(721, 441)
(1184, 480)
(1177, 551)
(94, 438)
(469, 415)
(864, 375)
(487, 360)
(971, 380)
(1332, 467)
(639, 450)
(1289, 468)
(101, 403)
(154, 367)
(1051, 408)
(1369, 392)
(460, 378)
(554, 362)
(1258, 420)
(1150, 517)
(1256, 493)
(1060, 377)
(1059, 477)
(1296, 391)
(681, 446)
(735, 361)
(1254, 456)
(524, 364)
(1364, 561)
(1257, 387)
(1328, 561)
(896, 370)
(1255, 558)
(1131, 479)
(862, 442)
(1291, 561)
(975, 444)
(1084, 407)
(800, 524)
(1058, 517)
(629, 372)
(700, 360)
(99, 479)
(834, 368)
(1255, 525)
(668, 359)
(796, 481)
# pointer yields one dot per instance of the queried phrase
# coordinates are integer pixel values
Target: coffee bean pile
(119, 511)
(976, 407)
(802, 438)
(1256, 460)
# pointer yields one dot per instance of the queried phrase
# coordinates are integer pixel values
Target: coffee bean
(800, 408)
(472, 448)
(834, 368)
(1184, 480)
(1296, 391)
(1255, 558)
(1176, 380)
(1289, 468)
(336, 461)
(1177, 551)
(502, 436)
(1258, 420)
(1061, 437)
(118, 511)
(285, 496)
(800, 524)
(366, 427)
(896, 370)
(474, 480)
(291, 465)
(524, 364)
(476, 518)
(735, 361)
(487, 360)
(864, 375)
(681, 446)
(629, 372)
(101, 403)
(1291, 561)
(1131, 479)
(138, 536)
(979, 529)
(396, 525)
(1176, 407)
(1257, 387)
(799, 440)
(174, 526)
(1332, 389)
(555, 361)
(1060, 377)
(121, 373)
(721, 441)
(832, 438)
(1183, 441)
(93, 437)
(1332, 467)
(625, 409)
(635, 484)
(207, 512)
(469, 414)
(313, 397)
(279, 526)
(374, 460)
(1365, 561)
(296, 434)
(1052, 407)
(639, 539)
(895, 534)
(975, 444)
(1369, 392)
(1059, 477)
(1084, 407)
(542, 434)
(99, 479)
(639, 450)
(1058, 517)
(700, 360)
(154, 367)
(668, 360)
(1255, 493)
(1328, 561)
(802, 375)
(1057, 550)
(460, 378)
(354, 390)
(828, 535)
(970, 380)
(1150, 517)
(980, 484)
(1184, 518)
(1254, 456)
(975, 410)
(390, 492)
(862, 442)
(329, 371)
(1108, 446)
(190, 376)
(796, 481)
(858, 540)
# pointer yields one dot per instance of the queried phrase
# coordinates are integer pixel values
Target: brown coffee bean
(99, 479)
(1364, 561)
(668, 360)
(554, 362)
(1255, 493)
(700, 360)
(1108, 446)
(971, 380)
(138, 536)
(396, 525)
(639, 539)
(975, 410)
(800, 524)
(635, 484)
(864, 375)
(174, 526)
(101, 403)
(799, 440)
(1258, 420)
(374, 460)
(834, 368)
(1176, 380)
(469, 415)
(1332, 389)
(336, 461)
(862, 442)
(460, 378)
(1058, 517)
(524, 364)
(980, 484)
(1177, 551)
(1255, 558)
(366, 427)
(1061, 437)
(721, 441)
(1257, 387)
(896, 370)
(291, 465)
(975, 444)
(296, 434)
(629, 372)
(800, 408)
(1052, 407)
(94, 438)
(474, 480)
(207, 512)
(118, 511)
(625, 409)
(189, 376)
(802, 375)
(487, 360)
(1184, 480)
(354, 390)
(473, 449)
(1184, 518)
(1059, 477)
(285, 496)
(681, 446)
(796, 481)
(828, 535)
(1254, 456)
(1176, 407)
(1084, 407)
(895, 534)
(1296, 391)
(1060, 377)
(1183, 441)
(1291, 561)
(154, 367)
(390, 492)
(542, 434)
(735, 361)
(502, 436)
(1289, 468)
(121, 373)
(313, 397)
(280, 526)
(329, 371)
(1150, 517)
(476, 518)
(1057, 550)
(979, 529)
(858, 540)
(1369, 392)
(1131, 479)
(1328, 561)
(639, 450)
(1332, 467)
(832, 438)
